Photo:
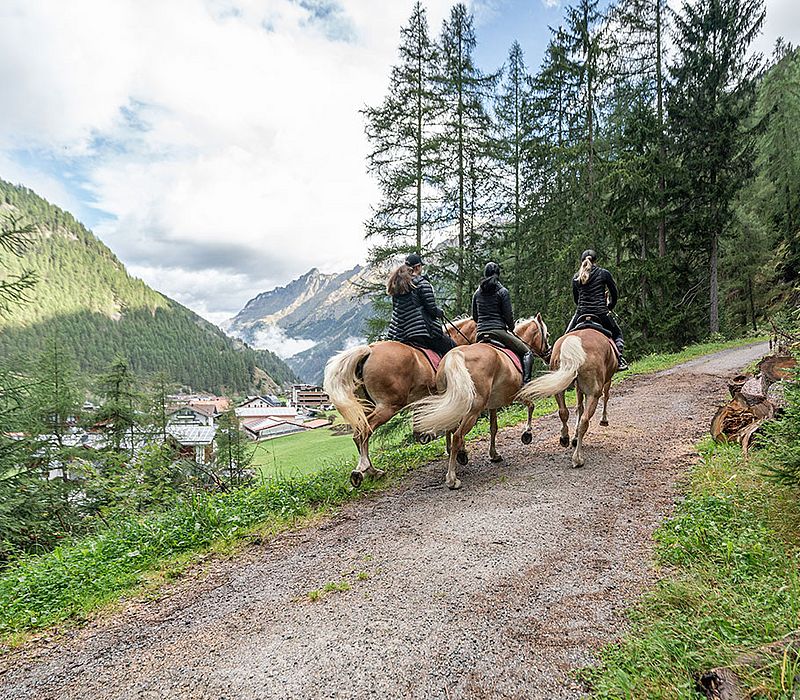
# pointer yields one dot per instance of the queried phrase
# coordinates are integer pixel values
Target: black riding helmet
(492, 269)
(589, 253)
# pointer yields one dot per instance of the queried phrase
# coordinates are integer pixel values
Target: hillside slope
(85, 296)
(327, 310)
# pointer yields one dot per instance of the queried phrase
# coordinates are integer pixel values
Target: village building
(193, 442)
(191, 415)
(309, 396)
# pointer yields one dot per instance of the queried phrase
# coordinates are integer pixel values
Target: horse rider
(589, 287)
(415, 315)
(494, 317)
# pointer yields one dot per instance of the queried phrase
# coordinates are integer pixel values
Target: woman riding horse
(589, 292)
(494, 317)
(415, 315)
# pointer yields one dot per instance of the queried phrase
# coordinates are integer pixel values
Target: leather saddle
(590, 322)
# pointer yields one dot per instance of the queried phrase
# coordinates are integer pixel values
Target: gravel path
(498, 590)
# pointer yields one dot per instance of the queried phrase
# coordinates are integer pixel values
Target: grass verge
(83, 575)
(729, 562)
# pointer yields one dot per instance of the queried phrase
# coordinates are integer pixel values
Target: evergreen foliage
(681, 170)
(86, 298)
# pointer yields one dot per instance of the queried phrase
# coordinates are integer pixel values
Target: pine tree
(402, 156)
(462, 141)
(710, 104)
(514, 145)
(234, 451)
(120, 398)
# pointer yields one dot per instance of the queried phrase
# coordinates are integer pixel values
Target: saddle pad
(433, 357)
(513, 357)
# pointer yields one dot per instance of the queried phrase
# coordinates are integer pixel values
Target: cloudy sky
(216, 145)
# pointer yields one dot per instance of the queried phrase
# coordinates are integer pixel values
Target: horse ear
(539, 317)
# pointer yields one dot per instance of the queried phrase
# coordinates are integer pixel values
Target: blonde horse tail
(436, 414)
(572, 357)
(341, 382)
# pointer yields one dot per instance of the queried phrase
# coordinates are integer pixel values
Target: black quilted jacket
(415, 313)
(491, 307)
(591, 297)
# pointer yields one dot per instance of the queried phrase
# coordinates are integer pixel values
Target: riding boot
(527, 366)
(623, 365)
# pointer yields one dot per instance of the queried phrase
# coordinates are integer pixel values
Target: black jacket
(415, 313)
(491, 307)
(591, 297)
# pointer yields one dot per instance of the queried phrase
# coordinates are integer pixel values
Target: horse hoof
(425, 438)
(563, 441)
(574, 442)
(577, 465)
(527, 437)
(496, 459)
(455, 485)
(462, 458)
(603, 422)
(377, 473)
(356, 477)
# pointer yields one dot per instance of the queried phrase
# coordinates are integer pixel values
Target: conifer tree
(462, 140)
(402, 156)
(710, 105)
(514, 145)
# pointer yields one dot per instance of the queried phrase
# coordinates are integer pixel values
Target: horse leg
(527, 436)
(591, 406)
(563, 414)
(378, 417)
(579, 408)
(448, 438)
(493, 455)
(606, 389)
(458, 453)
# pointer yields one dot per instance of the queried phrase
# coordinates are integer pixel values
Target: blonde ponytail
(584, 270)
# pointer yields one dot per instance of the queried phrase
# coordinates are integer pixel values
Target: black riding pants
(507, 339)
(442, 344)
(606, 320)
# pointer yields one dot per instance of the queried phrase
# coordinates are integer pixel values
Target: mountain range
(309, 320)
(86, 299)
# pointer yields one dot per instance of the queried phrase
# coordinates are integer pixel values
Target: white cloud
(222, 136)
(275, 339)
(783, 19)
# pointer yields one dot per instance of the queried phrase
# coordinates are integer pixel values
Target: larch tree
(402, 155)
(711, 102)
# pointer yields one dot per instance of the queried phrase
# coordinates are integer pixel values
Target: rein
(455, 327)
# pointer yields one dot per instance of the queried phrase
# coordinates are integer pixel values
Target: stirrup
(622, 365)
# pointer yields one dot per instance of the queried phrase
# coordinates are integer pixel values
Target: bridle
(545, 354)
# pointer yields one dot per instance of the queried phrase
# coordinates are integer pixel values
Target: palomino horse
(587, 358)
(472, 379)
(369, 384)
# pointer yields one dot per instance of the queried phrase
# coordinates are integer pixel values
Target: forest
(651, 133)
(81, 294)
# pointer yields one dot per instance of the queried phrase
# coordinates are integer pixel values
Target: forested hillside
(679, 165)
(84, 297)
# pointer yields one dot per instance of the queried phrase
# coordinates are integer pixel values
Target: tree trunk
(662, 151)
(713, 315)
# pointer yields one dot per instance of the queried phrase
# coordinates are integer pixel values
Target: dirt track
(498, 590)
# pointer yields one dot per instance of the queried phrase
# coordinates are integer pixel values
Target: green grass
(302, 453)
(729, 561)
(137, 554)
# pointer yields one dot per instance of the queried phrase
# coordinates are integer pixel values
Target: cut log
(736, 383)
(753, 391)
(775, 395)
(773, 368)
(731, 421)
